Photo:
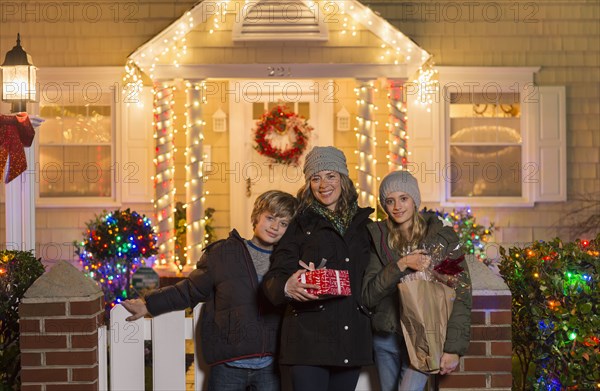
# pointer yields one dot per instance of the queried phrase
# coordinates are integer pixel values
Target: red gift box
(331, 282)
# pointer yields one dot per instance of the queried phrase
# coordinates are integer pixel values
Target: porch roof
(193, 45)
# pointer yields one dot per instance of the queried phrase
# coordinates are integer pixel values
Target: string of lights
(366, 142)
(165, 171)
(195, 194)
(397, 127)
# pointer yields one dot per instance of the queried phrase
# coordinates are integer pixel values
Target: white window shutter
(551, 145)
(135, 169)
(424, 144)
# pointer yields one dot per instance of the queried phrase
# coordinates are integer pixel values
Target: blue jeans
(226, 378)
(392, 362)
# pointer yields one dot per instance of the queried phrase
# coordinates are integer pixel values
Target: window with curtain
(76, 146)
(485, 145)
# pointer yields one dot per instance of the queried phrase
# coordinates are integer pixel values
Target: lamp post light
(18, 88)
(18, 78)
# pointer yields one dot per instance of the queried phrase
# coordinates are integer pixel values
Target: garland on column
(165, 170)
(365, 134)
(193, 171)
(397, 139)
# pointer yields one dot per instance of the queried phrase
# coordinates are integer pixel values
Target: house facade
(509, 125)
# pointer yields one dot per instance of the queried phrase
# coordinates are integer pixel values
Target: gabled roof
(149, 54)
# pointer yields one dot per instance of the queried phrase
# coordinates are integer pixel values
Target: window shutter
(424, 145)
(135, 168)
(551, 145)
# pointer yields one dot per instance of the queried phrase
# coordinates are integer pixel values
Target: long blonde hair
(348, 196)
(397, 241)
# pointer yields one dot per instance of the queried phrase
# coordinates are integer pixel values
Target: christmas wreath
(281, 135)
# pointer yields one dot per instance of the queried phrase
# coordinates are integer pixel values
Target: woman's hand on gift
(417, 260)
(448, 363)
(297, 290)
(137, 307)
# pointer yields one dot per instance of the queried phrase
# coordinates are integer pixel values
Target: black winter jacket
(334, 331)
(380, 292)
(237, 321)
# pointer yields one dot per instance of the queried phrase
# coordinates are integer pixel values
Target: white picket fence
(168, 334)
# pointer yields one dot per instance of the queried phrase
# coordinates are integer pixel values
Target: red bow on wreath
(16, 133)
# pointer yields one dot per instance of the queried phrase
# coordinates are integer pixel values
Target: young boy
(239, 327)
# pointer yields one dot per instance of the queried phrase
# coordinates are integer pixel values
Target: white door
(253, 173)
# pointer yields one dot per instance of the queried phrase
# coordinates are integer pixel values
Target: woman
(324, 341)
(394, 255)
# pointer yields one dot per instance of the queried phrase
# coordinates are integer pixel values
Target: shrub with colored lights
(18, 270)
(115, 244)
(555, 313)
(472, 235)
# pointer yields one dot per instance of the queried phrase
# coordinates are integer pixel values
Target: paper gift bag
(425, 310)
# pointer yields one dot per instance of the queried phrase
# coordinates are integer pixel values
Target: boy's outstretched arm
(137, 307)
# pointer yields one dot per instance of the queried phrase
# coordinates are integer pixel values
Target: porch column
(194, 167)
(397, 139)
(165, 169)
(365, 133)
(20, 207)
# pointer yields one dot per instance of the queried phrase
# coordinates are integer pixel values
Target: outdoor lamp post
(18, 88)
(18, 78)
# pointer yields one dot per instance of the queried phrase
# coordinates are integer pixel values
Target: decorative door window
(485, 145)
(76, 147)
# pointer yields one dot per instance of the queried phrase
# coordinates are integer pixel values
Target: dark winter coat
(329, 332)
(236, 321)
(380, 292)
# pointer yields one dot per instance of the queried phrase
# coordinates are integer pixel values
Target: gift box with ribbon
(331, 282)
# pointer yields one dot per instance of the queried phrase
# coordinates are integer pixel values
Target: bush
(114, 246)
(18, 270)
(473, 237)
(555, 311)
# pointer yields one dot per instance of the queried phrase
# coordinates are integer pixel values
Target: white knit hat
(399, 181)
(325, 158)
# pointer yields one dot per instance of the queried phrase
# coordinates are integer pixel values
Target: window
(491, 138)
(485, 145)
(75, 147)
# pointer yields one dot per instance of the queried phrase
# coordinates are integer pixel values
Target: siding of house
(563, 37)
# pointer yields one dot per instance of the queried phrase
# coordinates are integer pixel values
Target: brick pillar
(58, 319)
(488, 363)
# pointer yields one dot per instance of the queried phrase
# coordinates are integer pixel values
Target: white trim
(271, 71)
(102, 358)
(205, 10)
(550, 115)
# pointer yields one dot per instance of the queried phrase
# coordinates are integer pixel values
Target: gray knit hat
(399, 181)
(325, 158)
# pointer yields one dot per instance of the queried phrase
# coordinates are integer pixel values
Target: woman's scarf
(340, 221)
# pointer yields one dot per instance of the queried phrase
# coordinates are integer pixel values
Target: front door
(256, 173)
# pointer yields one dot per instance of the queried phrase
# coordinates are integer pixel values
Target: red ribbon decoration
(16, 133)
(450, 266)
